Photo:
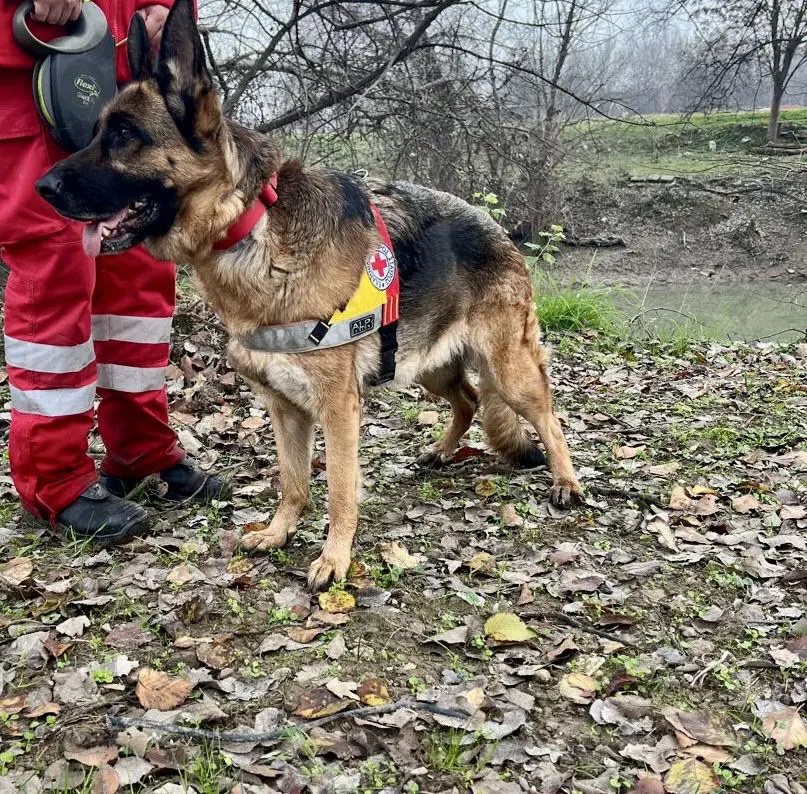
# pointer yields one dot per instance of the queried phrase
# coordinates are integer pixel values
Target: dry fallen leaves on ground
(508, 628)
(551, 636)
(157, 690)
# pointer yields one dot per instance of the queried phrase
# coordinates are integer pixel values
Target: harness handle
(83, 34)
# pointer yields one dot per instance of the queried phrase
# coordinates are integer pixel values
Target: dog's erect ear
(138, 49)
(183, 77)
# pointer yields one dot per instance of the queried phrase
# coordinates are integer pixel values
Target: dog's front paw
(263, 540)
(328, 568)
(433, 459)
(565, 493)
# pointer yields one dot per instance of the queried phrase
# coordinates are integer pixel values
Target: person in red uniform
(77, 328)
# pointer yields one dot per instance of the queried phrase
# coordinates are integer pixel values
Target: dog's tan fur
(302, 261)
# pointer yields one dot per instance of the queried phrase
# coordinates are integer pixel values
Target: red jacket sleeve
(118, 13)
(11, 55)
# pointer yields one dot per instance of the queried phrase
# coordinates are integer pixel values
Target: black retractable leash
(74, 76)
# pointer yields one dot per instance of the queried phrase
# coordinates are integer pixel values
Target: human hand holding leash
(154, 16)
(57, 12)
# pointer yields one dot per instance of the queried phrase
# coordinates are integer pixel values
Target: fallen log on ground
(594, 242)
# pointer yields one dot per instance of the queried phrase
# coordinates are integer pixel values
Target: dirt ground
(653, 639)
(725, 229)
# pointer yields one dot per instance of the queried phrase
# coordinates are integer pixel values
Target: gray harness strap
(310, 335)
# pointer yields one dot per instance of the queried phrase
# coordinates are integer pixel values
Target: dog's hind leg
(294, 437)
(341, 421)
(450, 382)
(515, 365)
(503, 430)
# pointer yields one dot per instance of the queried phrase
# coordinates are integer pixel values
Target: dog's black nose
(49, 186)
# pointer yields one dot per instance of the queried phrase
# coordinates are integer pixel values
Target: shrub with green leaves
(544, 252)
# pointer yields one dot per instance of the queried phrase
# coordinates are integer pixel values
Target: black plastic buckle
(318, 332)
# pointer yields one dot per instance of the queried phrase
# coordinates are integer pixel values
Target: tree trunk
(773, 118)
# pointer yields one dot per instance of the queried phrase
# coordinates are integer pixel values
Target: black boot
(185, 481)
(102, 517)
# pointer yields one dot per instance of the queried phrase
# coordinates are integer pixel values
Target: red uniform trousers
(72, 324)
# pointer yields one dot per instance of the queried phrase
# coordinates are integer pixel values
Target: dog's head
(162, 155)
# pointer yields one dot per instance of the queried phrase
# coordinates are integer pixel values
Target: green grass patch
(729, 131)
(574, 307)
(709, 145)
(615, 314)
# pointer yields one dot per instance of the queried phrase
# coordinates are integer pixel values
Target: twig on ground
(119, 723)
(624, 430)
(590, 629)
(698, 679)
(758, 664)
(610, 241)
(638, 496)
(141, 486)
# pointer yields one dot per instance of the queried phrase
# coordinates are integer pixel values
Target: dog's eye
(121, 131)
(123, 134)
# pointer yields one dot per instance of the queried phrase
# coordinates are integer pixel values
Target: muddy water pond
(756, 310)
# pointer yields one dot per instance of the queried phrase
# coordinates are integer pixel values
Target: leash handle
(83, 34)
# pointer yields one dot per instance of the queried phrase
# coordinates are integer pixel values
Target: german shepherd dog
(166, 168)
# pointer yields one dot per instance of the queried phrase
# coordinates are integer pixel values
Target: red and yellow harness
(372, 307)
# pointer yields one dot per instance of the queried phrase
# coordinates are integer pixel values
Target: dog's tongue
(93, 234)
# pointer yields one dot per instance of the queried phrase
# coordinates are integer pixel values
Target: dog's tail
(506, 434)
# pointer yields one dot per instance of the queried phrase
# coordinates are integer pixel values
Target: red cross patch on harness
(381, 267)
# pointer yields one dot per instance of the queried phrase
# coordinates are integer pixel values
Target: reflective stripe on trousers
(130, 379)
(146, 330)
(53, 402)
(35, 357)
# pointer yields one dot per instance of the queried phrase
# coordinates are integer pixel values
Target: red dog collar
(248, 220)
